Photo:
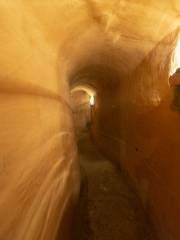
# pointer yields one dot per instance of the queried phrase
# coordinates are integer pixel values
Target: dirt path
(108, 209)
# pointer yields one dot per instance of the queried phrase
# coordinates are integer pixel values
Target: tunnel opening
(83, 102)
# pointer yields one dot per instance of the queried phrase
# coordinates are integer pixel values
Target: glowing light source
(91, 100)
(175, 63)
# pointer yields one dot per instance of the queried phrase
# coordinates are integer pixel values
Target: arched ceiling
(85, 28)
(86, 88)
(116, 34)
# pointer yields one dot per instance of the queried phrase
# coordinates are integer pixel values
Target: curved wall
(138, 126)
(39, 179)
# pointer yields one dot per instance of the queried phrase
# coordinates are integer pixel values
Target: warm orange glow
(176, 58)
(92, 100)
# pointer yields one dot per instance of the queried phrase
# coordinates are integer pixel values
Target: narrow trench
(108, 208)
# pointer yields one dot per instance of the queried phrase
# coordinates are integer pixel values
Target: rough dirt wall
(138, 126)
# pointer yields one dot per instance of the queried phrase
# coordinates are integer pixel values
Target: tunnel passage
(82, 102)
(122, 48)
(108, 208)
(133, 138)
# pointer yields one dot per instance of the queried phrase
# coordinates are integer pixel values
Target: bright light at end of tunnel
(175, 63)
(91, 100)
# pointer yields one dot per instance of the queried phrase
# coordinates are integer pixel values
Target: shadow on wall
(175, 105)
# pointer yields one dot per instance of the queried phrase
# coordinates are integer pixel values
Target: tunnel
(89, 120)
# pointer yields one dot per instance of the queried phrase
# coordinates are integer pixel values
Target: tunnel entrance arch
(82, 102)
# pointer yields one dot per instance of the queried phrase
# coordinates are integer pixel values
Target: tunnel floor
(108, 208)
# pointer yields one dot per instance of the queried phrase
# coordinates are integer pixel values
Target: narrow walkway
(108, 209)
